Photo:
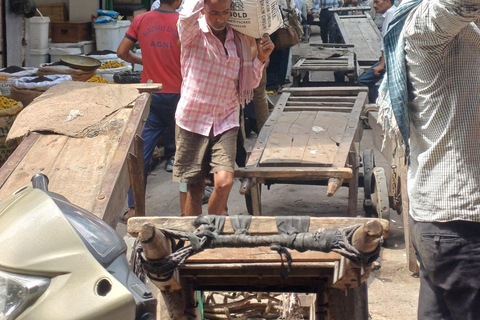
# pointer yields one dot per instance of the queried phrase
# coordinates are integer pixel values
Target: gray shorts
(197, 155)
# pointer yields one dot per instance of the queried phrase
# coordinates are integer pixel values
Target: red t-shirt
(157, 35)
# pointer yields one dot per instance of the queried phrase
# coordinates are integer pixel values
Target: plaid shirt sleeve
(188, 25)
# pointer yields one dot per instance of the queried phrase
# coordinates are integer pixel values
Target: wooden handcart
(361, 31)
(311, 137)
(338, 285)
(340, 59)
(87, 164)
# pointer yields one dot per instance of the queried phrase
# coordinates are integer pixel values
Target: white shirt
(156, 5)
(442, 51)
(387, 18)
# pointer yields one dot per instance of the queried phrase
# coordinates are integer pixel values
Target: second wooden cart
(311, 137)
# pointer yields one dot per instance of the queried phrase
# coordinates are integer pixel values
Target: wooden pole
(137, 176)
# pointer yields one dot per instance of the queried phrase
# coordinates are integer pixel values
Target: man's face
(381, 6)
(217, 13)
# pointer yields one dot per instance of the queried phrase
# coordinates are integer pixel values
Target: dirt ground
(392, 290)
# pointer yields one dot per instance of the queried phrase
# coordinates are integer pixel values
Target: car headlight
(18, 292)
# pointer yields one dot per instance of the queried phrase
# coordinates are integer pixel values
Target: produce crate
(71, 32)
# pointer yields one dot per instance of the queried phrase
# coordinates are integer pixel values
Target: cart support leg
(256, 199)
(353, 183)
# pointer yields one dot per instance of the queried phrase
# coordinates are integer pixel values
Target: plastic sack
(255, 17)
(127, 77)
(7, 117)
(103, 55)
(40, 83)
(108, 13)
(105, 19)
(57, 68)
(109, 73)
(10, 74)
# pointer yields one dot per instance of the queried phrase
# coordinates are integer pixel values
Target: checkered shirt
(209, 96)
(441, 45)
(325, 4)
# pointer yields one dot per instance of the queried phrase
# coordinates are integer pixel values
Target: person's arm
(265, 46)
(188, 25)
(316, 6)
(124, 53)
(378, 70)
(442, 20)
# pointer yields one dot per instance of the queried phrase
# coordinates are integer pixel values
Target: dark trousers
(328, 26)
(449, 256)
(369, 79)
(277, 68)
(161, 120)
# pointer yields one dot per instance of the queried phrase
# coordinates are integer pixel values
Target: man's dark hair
(392, 2)
(167, 1)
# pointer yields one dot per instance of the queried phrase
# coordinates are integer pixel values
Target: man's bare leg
(223, 182)
(193, 203)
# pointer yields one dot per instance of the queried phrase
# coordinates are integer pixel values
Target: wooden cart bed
(361, 31)
(311, 137)
(342, 60)
(90, 171)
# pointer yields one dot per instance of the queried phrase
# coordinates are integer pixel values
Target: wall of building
(1, 35)
(78, 11)
(15, 46)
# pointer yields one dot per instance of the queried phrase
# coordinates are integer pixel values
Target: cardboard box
(57, 12)
(135, 13)
(71, 32)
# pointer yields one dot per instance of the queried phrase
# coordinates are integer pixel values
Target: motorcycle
(58, 261)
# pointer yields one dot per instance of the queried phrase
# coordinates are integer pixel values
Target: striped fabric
(442, 55)
(392, 94)
(324, 4)
(210, 70)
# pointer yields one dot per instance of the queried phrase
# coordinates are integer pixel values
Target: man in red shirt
(156, 32)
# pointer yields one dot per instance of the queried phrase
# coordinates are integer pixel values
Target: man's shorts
(197, 155)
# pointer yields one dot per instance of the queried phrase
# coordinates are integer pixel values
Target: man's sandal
(122, 218)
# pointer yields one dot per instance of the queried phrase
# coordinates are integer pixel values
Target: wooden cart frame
(345, 63)
(361, 31)
(312, 137)
(93, 173)
(339, 285)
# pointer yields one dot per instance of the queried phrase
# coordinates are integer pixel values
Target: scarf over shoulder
(393, 91)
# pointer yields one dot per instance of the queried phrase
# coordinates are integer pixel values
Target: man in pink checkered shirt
(220, 69)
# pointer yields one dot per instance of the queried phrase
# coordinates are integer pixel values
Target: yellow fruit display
(98, 79)
(6, 103)
(112, 64)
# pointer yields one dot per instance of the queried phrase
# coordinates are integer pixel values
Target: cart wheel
(368, 165)
(379, 195)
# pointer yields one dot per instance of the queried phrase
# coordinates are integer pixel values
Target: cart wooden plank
(314, 138)
(91, 172)
(258, 225)
(361, 31)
